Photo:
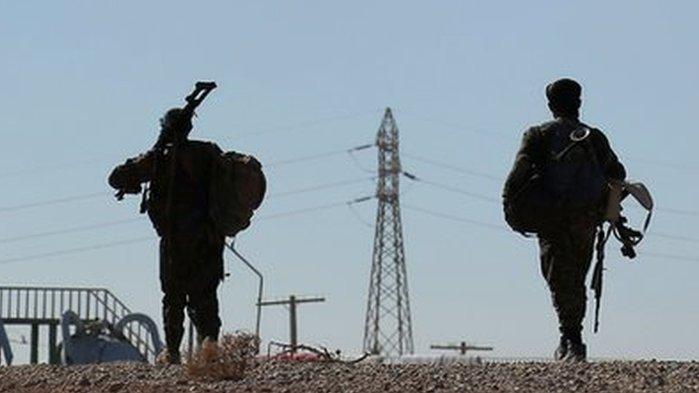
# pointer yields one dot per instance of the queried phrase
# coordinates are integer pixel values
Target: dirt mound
(287, 377)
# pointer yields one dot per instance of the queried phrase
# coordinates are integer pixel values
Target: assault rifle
(185, 114)
(627, 236)
(193, 100)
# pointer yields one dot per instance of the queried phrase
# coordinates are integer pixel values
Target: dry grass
(228, 359)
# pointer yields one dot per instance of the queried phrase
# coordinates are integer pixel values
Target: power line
(457, 219)
(665, 164)
(92, 195)
(68, 230)
(51, 168)
(125, 221)
(502, 228)
(482, 175)
(356, 161)
(474, 195)
(358, 216)
(678, 211)
(658, 255)
(315, 208)
(292, 213)
(274, 129)
(72, 198)
(496, 178)
(321, 187)
(503, 135)
(318, 156)
(311, 157)
(76, 250)
(673, 237)
(668, 210)
(302, 211)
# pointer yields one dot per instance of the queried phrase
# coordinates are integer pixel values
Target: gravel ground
(315, 377)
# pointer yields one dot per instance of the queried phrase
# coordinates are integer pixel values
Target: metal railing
(5, 347)
(28, 305)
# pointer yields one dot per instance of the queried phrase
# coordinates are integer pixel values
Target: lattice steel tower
(388, 329)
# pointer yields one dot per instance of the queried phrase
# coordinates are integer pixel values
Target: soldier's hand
(132, 190)
(613, 210)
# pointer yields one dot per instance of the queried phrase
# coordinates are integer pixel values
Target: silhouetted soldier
(191, 250)
(566, 246)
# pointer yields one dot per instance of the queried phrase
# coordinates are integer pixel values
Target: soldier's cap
(564, 93)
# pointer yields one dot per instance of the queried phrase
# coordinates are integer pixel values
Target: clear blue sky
(85, 82)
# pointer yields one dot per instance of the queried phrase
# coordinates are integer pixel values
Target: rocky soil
(288, 377)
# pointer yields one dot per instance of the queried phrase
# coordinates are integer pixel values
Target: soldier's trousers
(566, 255)
(191, 269)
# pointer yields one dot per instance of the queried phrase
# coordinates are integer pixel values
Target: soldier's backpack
(237, 189)
(569, 179)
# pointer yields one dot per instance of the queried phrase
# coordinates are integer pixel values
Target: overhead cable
(673, 237)
(273, 129)
(93, 195)
(470, 172)
(503, 135)
(456, 218)
(131, 220)
(311, 157)
(446, 187)
(72, 198)
(313, 209)
(321, 187)
(68, 230)
(358, 216)
(48, 168)
(358, 163)
(76, 250)
(502, 228)
(675, 257)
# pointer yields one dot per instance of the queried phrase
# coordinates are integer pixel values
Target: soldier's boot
(577, 352)
(168, 357)
(571, 347)
(562, 350)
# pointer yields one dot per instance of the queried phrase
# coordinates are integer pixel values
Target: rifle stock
(196, 97)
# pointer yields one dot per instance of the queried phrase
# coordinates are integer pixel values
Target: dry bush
(228, 358)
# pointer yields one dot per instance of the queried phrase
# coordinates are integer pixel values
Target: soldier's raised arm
(128, 176)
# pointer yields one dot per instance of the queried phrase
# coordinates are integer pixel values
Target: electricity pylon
(388, 328)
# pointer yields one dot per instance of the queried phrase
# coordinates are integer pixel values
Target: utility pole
(461, 347)
(292, 302)
(388, 328)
